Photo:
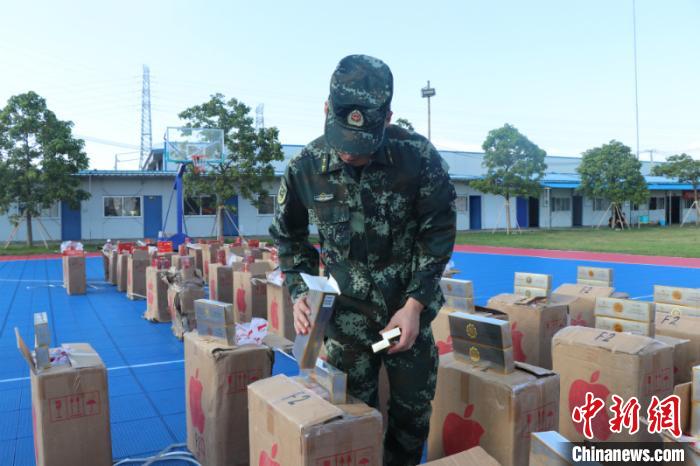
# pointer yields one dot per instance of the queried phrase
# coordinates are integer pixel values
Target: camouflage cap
(360, 97)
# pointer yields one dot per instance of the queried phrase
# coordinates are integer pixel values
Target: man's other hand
(301, 313)
(408, 320)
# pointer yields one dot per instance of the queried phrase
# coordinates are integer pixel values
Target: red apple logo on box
(577, 397)
(268, 460)
(274, 314)
(517, 337)
(196, 412)
(460, 433)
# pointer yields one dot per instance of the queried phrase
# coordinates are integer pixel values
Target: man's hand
(408, 320)
(301, 313)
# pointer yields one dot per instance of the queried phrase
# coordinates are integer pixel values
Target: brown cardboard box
(195, 251)
(215, 320)
(113, 259)
(482, 341)
(496, 411)
(105, 265)
(476, 456)
(689, 443)
(441, 326)
(581, 301)
(682, 357)
(181, 306)
(217, 377)
(136, 277)
(532, 326)
(176, 261)
(250, 292)
(683, 327)
(122, 268)
(209, 256)
(551, 449)
(292, 425)
(608, 363)
(279, 311)
(74, 274)
(156, 296)
(70, 408)
(221, 282)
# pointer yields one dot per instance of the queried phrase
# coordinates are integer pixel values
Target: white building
(138, 204)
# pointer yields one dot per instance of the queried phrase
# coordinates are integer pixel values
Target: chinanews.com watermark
(623, 454)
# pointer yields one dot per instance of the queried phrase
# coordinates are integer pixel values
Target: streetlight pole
(428, 92)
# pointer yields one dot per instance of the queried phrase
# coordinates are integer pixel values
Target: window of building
(122, 206)
(461, 203)
(657, 203)
(600, 204)
(689, 203)
(200, 205)
(635, 207)
(50, 212)
(267, 205)
(561, 204)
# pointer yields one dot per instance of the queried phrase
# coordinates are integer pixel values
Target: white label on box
(533, 280)
(675, 295)
(328, 301)
(628, 326)
(629, 309)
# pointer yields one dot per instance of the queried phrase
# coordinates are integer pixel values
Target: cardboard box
(321, 301)
(156, 296)
(74, 274)
(176, 261)
(532, 326)
(215, 319)
(105, 266)
(250, 292)
(221, 282)
(595, 276)
(217, 378)
(195, 252)
(682, 357)
(333, 381)
(688, 442)
(628, 309)
(136, 277)
(551, 449)
(459, 304)
(607, 363)
(113, 260)
(482, 341)
(685, 328)
(279, 311)
(209, 256)
(292, 425)
(533, 280)
(70, 408)
(122, 270)
(441, 326)
(676, 310)
(627, 326)
(181, 305)
(457, 288)
(581, 301)
(42, 335)
(675, 295)
(476, 456)
(496, 411)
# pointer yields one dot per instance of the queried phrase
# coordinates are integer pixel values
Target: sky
(561, 72)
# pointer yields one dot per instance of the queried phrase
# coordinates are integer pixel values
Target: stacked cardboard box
(210, 255)
(290, 424)
(594, 276)
(625, 315)
(217, 376)
(533, 321)
(185, 286)
(532, 285)
(157, 294)
(122, 270)
(70, 407)
(215, 320)
(606, 363)
(482, 341)
(459, 296)
(113, 261)
(475, 406)
(279, 306)
(250, 291)
(580, 300)
(221, 279)
(688, 441)
(136, 274)
(678, 316)
(195, 252)
(74, 279)
(42, 340)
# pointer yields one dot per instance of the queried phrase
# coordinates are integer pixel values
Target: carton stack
(210, 254)
(215, 320)
(482, 341)
(42, 340)
(279, 306)
(122, 270)
(113, 260)
(221, 279)
(625, 315)
(291, 424)
(195, 251)
(607, 363)
(74, 279)
(176, 260)
(250, 290)
(185, 286)
(157, 291)
(689, 440)
(217, 376)
(459, 296)
(594, 276)
(70, 405)
(678, 316)
(532, 285)
(137, 264)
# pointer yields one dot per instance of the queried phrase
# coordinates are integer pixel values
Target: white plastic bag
(251, 333)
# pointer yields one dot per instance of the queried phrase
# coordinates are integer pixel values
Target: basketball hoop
(199, 163)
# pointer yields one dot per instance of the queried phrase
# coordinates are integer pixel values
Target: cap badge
(355, 118)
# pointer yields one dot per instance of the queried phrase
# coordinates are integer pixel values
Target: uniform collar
(331, 162)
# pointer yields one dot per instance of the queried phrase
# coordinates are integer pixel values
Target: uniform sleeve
(437, 223)
(290, 232)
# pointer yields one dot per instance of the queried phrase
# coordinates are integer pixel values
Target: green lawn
(21, 249)
(650, 241)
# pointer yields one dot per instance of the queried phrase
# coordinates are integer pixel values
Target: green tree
(687, 170)
(612, 172)
(405, 124)
(246, 170)
(515, 165)
(39, 158)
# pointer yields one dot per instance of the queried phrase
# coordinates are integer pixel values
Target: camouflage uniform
(386, 232)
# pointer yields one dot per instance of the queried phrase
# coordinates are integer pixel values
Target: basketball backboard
(182, 144)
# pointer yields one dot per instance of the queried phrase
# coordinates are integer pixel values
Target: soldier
(384, 206)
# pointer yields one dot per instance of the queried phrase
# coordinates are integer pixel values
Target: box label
(74, 406)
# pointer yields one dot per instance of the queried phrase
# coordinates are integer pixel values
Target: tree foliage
(515, 165)
(39, 158)
(685, 169)
(612, 172)
(246, 170)
(405, 124)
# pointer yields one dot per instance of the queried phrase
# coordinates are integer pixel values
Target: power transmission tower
(145, 116)
(259, 117)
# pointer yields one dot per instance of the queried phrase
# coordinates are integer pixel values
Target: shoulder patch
(282, 193)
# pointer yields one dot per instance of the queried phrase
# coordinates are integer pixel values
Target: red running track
(41, 256)
(584, 256)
